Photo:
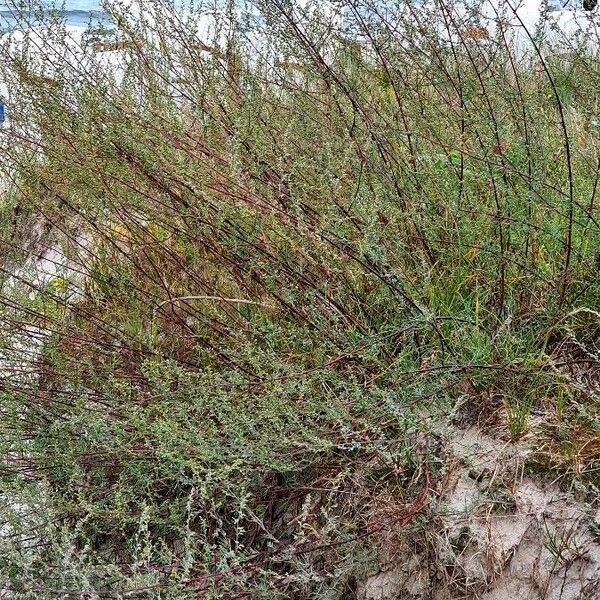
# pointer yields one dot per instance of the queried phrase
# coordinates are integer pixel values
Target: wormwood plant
(251, 261)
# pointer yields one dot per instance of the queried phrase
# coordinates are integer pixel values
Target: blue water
(79, 13)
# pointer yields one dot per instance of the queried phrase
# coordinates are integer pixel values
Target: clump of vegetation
(282, 254)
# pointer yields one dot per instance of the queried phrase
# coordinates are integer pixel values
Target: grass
(284, 277)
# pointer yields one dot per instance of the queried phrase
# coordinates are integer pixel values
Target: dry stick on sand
(216, 298)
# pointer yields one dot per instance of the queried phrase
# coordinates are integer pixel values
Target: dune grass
(284, 269)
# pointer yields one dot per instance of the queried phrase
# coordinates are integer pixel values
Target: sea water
(16, 14)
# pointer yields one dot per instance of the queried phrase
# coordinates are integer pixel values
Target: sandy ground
(499, 535)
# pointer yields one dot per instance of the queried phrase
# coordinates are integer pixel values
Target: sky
(78, 11)
(69, 4)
